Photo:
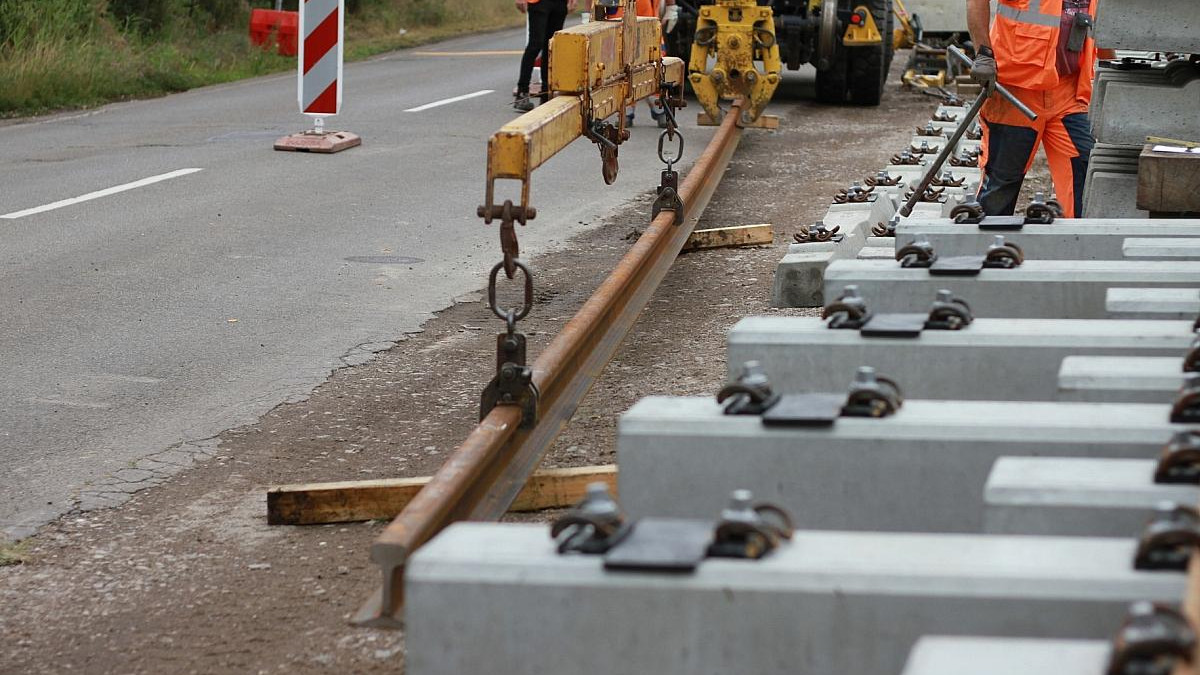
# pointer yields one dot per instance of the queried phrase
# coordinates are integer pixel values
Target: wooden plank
(1168, 182)
(352, 501)
(723, 237)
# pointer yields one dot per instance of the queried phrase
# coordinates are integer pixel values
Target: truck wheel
(868, 66)
(831, 84)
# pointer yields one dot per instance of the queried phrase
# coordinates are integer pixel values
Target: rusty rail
(484, 474)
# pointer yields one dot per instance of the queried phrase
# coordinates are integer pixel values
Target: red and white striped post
(319, 75)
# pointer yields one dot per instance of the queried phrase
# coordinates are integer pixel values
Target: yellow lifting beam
(596, 70)
(738, 33)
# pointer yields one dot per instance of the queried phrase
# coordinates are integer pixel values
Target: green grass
(66, 54)
(13, 554)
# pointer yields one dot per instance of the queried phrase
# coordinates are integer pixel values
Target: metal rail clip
(1186, 409)
(1152, 641)
(1169, 538)
(849, 312)
(748, 530)
(1180, 460)
(593, 526)
(1001, 254)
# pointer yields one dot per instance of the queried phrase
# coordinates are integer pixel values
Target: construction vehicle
(738, 48)
(931, 28)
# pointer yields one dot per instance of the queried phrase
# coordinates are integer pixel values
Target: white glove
(670, 18)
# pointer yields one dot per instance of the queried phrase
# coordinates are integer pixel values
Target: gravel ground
(188, 578)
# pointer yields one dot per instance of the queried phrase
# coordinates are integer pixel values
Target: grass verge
(69, 54)
(13, 554)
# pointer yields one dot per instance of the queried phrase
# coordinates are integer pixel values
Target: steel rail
(482, 476)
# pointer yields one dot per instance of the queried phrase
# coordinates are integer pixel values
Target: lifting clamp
(596, 70)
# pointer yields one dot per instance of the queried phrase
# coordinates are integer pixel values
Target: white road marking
(456, 99)
(100, 193)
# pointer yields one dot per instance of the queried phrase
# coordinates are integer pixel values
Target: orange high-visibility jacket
(1025, 38)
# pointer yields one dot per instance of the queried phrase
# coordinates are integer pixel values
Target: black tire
(868, 66)
(889, 38)
(831, 84)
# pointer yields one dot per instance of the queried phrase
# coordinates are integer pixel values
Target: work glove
(670, 18)
(984, 71)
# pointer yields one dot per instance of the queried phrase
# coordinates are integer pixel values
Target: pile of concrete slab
(975, 439)
(1150, 92)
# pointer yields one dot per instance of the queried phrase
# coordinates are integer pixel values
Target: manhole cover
(384, 259)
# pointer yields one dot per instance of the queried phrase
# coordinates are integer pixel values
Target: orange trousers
(1011, 140)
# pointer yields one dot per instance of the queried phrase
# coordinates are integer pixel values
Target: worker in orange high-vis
(668, 13)
(1042, 51)
(545, 18)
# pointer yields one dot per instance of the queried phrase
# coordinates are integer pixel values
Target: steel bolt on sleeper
(596, 526)
(1179, 463)
(1152, 640)
(817, 232)
(1169, 539)
(849, 311)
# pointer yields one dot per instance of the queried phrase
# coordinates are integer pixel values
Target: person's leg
(1069, 142)
(536, 18)
(556, 16)
(1007, 154)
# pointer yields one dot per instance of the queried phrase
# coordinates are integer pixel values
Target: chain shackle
(513, 315)
(670, 159)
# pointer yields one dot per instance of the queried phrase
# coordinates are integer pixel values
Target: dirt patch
(188, 578)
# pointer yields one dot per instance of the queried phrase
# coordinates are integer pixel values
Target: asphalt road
(138, 324)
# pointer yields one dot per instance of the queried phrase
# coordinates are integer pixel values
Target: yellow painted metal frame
(865, 35)
(742, 34)
(596, 69)
(904, 35)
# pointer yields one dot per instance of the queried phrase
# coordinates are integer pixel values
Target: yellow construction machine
(739, 47)
(931, 28)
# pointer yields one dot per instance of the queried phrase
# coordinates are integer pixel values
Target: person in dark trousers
(1043, 52)
(545, 18)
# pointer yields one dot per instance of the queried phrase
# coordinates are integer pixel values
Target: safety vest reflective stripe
(1028, 16)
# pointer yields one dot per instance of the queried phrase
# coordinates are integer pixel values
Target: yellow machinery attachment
(596, 70)
(862, 30)
(737, 33)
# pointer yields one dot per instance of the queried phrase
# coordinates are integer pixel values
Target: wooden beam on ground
(352, 501)
(724, 237)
